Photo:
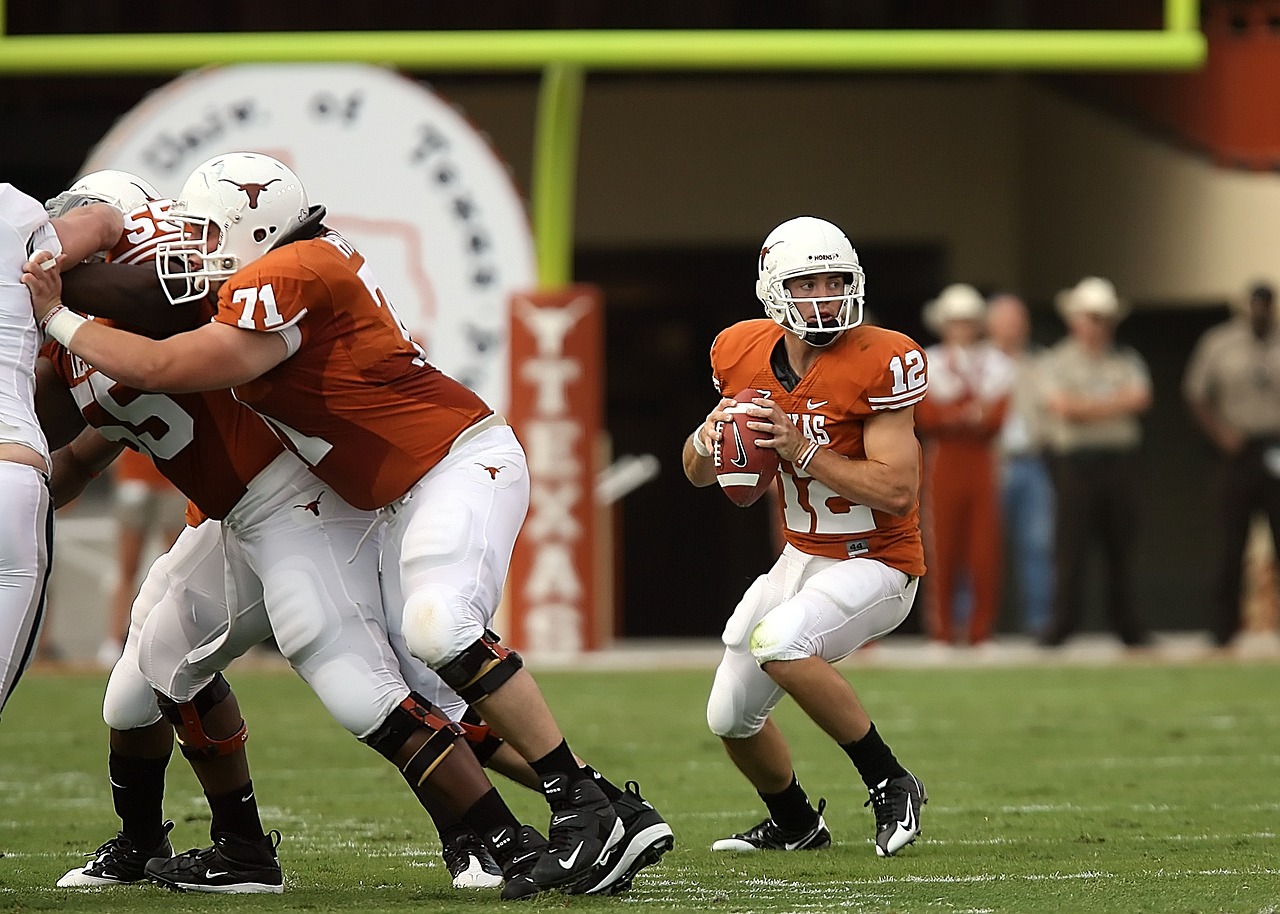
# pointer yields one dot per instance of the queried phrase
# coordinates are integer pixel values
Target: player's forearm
(700, 470)
(75, 465)
(87, 231)
(128, 293)
(127, 358)
(883, 486)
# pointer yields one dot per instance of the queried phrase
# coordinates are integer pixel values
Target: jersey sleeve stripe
(899, 400)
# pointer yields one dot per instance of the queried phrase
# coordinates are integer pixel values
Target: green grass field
(1075, 789)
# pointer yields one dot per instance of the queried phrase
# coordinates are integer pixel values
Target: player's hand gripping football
(783, 435)
(710, 430)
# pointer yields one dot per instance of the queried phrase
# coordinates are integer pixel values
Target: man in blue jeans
(1026, 489)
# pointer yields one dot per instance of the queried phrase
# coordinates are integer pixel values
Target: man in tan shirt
(1095, 391)
(1232, 386)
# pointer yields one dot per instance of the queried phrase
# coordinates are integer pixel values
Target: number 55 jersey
(868, 370)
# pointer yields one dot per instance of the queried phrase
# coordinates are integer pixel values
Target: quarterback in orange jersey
(292, 550)
(836, 403)
(306, 337)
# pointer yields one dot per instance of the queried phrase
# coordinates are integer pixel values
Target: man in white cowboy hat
(1232, 386)
(1095, 390)
(959, 422)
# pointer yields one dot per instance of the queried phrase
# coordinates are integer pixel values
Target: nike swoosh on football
(816, 404)
(740, 459)
(568, 862)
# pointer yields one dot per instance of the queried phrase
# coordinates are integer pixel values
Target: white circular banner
(402, 173)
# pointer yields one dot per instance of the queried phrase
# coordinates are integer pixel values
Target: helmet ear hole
(260, 235)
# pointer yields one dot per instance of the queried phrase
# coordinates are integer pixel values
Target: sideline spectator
(969, 389)
(1232, 386)
(1095, 392)
(1026, 488)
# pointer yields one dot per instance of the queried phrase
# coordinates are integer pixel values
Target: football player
(306, 337)
(26, 523)
(836, 398)
(286, 559)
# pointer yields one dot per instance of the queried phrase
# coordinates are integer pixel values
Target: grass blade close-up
(1052, 788)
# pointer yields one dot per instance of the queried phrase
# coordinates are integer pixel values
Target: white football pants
(26, 543)
(804, 606)
(447, 548)
(296, 566)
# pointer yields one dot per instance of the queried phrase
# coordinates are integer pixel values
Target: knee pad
(784, 633)
(742, 697)
(129, 702)
(480, 669)
(484, 742)
(187, 719)
(411, 715)
(438, 622)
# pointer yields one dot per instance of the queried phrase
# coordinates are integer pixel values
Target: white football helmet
(802, 246)
(121, 189)
(252, 201)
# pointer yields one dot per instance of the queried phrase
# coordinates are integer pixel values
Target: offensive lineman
(298, 573)
(848, 495)
(305, 336)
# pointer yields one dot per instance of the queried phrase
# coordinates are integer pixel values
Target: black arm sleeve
(130, 294)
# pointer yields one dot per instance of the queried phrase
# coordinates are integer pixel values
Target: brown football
(744, 470)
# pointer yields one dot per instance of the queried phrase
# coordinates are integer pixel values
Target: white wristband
(807, 456)
(61, 324)
(698, 447)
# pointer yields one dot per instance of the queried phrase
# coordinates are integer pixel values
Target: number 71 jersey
(868, 370)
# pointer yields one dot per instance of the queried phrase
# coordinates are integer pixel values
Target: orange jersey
(145, 226)
(356, 399)
(206, 444)
(867, 370)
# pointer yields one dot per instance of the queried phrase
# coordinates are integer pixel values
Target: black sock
(610, 792)
(790, 808)
(236, 813)
(137, 790)
(485, 816)
(873, 758)
(559, 760)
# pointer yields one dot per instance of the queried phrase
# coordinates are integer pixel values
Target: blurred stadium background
(1152, 164)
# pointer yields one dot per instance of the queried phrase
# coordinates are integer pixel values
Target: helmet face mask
(806, 246)
(234, 209)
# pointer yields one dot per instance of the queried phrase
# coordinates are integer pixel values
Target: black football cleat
(117, 862)
(231, 865)
(525, 846)
(470, 863)
(768, 836)
(646, 836)
(584, 828)
(896, 803)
